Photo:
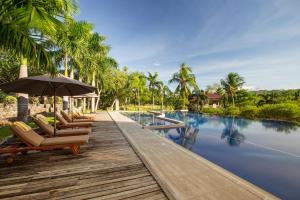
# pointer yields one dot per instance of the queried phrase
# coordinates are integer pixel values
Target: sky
(258, 39)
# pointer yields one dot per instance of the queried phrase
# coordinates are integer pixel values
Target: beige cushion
(22, 126)
(29, 136)
(66, 140)
(66, 116)
(47, 128)
(42, 118)
(61, 119)
(79, 131)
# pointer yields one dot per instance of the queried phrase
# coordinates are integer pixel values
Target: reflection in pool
(266, 153)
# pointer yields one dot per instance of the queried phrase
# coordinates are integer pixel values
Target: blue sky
(259, 39)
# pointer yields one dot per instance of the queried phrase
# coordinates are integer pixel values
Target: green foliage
(283, 111)
(4, 132)
(147, 107)
(10, 100)
(185, 80)
(231, 84)
(210, 110)
(27, 25)
(58, 100)
(34, 100)
(180, 103)
(232, 111)
(250, 112)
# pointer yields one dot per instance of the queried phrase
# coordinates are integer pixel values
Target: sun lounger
(42, 122)
(35, 142)
(78, 115)
(66, 124)
(69, 119)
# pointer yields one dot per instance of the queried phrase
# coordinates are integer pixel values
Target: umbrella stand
(54, 91)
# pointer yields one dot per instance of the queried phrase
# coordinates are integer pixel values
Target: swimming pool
(266, 153)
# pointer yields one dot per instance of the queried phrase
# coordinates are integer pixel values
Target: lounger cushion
(47, 128)
(66, 116)
(43, 119)
(30, 136)
(61, 119)
(79, 131)
(22, 126)
(80, 139)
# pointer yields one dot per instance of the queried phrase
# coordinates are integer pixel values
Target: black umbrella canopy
(44, 85)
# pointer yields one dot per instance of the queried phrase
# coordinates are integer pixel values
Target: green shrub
(10, 100)
(180, 104)
(249, 112)
(209, 110)
(34, 100)
(2, 96)
(58, 100)
(232, 111)
(284, 111)
(192, 107)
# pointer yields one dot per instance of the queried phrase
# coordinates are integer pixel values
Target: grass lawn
(5, 130)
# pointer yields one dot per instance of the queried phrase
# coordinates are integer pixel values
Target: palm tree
(201, 98)
(231, 84)
(71, 40)
(25, 27)
(154, 84)
(163, 89)
(96, 58)
(137, 83)
(267, 98)
(185, 80)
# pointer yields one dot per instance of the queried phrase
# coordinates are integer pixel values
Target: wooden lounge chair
(42, 122)
(78, 115)
(35, 142)
(69, 118)
(66, 124)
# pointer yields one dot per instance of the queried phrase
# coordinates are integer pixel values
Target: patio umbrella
(46, 85)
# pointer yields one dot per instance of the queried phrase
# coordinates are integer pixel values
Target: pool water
(266, 153)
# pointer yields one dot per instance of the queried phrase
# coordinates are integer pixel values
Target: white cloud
(156, 64)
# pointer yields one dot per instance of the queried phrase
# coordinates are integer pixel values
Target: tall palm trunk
(93, 84)
(139, 100)
(162, 103)
(71, 101)
(98, 98)
(22, 99)
(152, 100)
(65, 98)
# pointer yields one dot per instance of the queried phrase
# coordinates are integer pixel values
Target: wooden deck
(182, 174)
(107, 168)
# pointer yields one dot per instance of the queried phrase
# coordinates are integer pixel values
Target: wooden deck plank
(106, 168)
(185, 175)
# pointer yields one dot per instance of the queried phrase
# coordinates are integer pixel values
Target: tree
(231, 84)
(97, 55)
(267, 98)
(163, 89)
(212, 88)
(185, 80)
(72, 42)
(153, 85)
(201, 98)
(137, 84)
(25, 27)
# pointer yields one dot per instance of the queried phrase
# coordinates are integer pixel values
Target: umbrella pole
(54, 111)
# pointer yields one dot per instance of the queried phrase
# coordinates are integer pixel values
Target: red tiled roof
(214, 96)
